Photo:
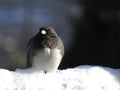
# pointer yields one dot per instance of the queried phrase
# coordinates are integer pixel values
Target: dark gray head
(47, 37)
(47, 31)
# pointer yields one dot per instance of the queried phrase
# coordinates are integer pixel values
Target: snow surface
(79, 78)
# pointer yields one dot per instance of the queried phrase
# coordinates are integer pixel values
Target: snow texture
(79, 78)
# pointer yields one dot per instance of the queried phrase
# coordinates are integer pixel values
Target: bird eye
(43, 32)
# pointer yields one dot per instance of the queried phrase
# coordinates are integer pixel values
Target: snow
(78, 78)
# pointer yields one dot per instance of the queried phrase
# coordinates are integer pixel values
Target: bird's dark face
(47, 32)
(47, 37)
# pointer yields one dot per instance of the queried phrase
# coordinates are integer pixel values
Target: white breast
(47, 60)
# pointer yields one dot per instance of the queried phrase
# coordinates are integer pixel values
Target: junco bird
(45, 50)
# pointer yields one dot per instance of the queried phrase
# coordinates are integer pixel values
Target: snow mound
(79, 78)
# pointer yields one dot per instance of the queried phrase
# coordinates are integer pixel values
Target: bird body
(48, 60)
(45, 50)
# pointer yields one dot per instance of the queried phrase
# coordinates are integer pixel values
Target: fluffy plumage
(45, 50)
